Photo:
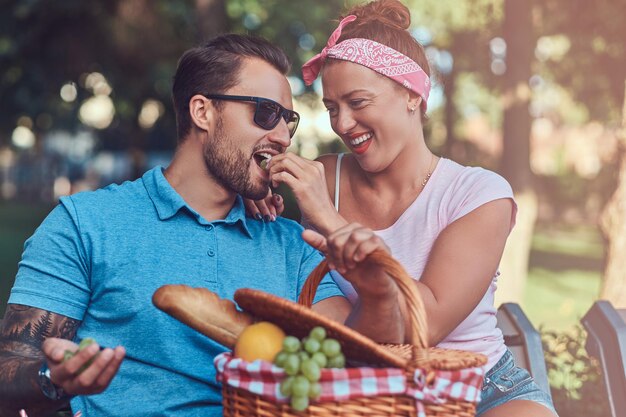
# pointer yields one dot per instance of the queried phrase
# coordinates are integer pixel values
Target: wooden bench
(606, 341)
(524, 341)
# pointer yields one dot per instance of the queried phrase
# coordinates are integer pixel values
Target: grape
(311, 370)
(299, 403)
(286, 386)
(331, 348)
(291, 344)
(300, 386)
(280, 358)
(303, 361)
(315, 390)
(320, 358)
(312, 345)
(318, 333)
(85, 342)
(338, 361)
(68, 354)
(292, 364)
(303, 356)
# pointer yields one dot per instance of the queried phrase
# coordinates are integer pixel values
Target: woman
(447, 224)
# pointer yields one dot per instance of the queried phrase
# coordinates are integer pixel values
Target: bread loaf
(204, 311)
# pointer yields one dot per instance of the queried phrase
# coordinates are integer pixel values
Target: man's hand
(94, 378)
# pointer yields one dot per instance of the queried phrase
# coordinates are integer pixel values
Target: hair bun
(388, 12)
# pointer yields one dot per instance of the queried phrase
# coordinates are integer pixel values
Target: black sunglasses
(267, 113)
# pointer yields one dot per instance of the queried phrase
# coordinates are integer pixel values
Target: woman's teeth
(360, 139)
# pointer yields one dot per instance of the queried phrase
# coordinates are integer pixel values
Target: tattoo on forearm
(22, 333)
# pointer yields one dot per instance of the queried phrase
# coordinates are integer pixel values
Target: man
(91, 268)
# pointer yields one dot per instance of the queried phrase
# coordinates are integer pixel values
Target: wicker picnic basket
(298, 319)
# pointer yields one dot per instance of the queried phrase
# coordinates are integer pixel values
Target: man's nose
(280, 134)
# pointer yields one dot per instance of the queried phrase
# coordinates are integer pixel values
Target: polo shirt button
(210, 252)
(209, 227)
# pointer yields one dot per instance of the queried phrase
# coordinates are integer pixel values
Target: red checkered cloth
(263, 378)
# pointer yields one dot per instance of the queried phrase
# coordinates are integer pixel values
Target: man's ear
(202, 112)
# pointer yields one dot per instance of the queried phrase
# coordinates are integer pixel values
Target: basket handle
(417, 314)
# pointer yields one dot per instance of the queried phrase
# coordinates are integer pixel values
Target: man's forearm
(19, 388)
(22, 332)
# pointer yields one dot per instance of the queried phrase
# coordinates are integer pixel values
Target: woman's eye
(331, 110)
(357, 102)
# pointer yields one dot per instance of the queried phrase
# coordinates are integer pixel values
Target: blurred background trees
(533, 89)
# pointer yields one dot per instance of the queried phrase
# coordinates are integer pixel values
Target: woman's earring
(412, 110)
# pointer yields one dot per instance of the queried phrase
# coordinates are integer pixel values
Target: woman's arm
(462, 264)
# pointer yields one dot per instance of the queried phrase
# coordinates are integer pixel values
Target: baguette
(204, 311)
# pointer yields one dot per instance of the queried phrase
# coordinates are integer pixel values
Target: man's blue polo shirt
(98, 258)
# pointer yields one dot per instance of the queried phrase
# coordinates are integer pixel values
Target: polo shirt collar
(168, 202)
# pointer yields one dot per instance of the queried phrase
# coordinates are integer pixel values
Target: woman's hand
(347, 250)
(378, 313)
(307, 181)
(267, 209)
(89, 371)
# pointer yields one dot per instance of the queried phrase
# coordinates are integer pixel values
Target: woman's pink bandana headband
(371, 54)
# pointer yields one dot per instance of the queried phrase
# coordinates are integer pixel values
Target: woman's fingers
(279, 204)
(316, 240)
(350, 245)
(267, 209)
(251, 209)
(264, 210)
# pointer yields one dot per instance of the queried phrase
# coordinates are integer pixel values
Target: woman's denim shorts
(505, 382)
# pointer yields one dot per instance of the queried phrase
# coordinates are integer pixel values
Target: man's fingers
(110, 371)
(86, 378)
(54, 348)
(74, 365)
(315, 239)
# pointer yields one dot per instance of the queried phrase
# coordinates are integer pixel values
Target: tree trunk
(450, 116)
(613, 225)
(211, 17)
(516, 146)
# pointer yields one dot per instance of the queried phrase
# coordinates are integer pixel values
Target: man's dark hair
(214, 68)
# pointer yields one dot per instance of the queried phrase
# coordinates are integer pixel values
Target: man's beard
(231, 167)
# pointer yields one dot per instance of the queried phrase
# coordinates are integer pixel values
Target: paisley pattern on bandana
(371, 54)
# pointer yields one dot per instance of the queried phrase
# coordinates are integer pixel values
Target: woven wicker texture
(298, 319)
(239, 403)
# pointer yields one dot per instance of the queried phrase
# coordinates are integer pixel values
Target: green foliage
(575, 378)
(594, 68)
(300, 28)
(460, 16)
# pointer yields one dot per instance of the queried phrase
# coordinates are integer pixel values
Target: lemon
(262, 340)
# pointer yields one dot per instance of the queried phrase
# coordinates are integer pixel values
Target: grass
(565, 274)
(563, 282)
(17, 223)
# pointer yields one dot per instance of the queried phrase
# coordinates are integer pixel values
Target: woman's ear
(414, 102)
(202, 112)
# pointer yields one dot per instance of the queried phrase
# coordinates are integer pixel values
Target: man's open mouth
(262, 159)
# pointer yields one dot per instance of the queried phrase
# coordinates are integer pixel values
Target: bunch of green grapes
(303, 361)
